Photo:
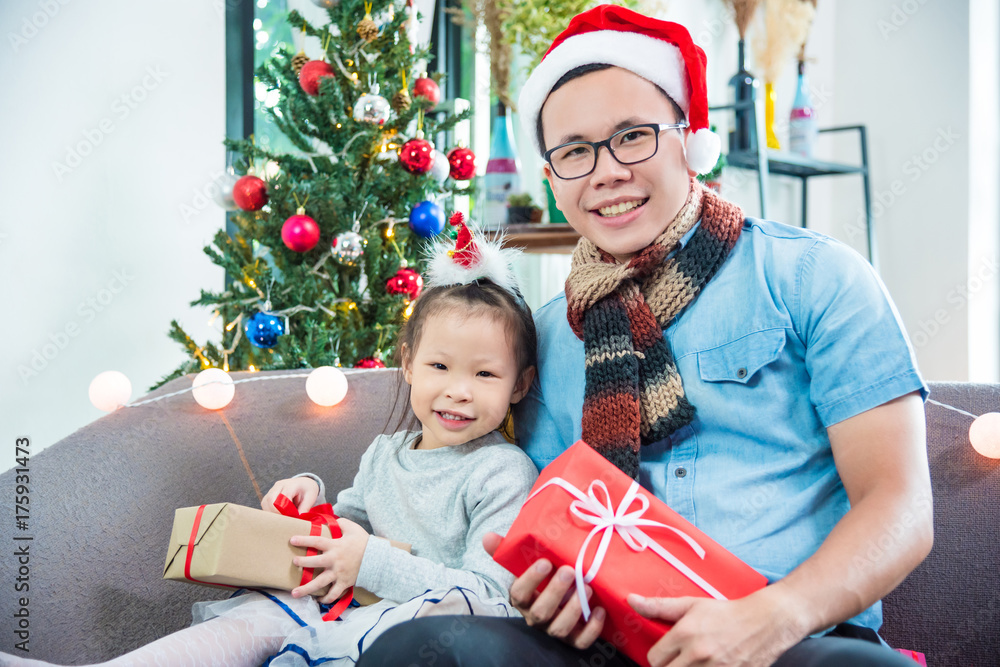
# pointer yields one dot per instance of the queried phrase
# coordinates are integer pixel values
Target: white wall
(97, 257)
(901, 67)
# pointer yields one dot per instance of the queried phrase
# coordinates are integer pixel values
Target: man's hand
(302, 491)
(556, 609)
(750, 632)
(340, 560)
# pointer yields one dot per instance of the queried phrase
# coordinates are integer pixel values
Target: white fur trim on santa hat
(703, 148)
(653, 59)
(495, 264)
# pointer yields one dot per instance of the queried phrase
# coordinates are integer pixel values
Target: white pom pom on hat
(661, 52)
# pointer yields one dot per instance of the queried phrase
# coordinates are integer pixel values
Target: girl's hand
(302, 491)
(340, 559)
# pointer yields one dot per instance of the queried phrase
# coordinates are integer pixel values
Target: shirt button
(741, 373)
(680, 472)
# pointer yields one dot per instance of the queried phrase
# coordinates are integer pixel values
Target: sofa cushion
(948, 607)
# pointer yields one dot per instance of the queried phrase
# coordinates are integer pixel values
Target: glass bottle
(802, 129)
(743, 88)
(503, 171)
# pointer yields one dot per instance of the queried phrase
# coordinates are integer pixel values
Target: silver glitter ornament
(347, 248)
(372, 107)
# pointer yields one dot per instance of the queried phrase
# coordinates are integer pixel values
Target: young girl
(468, 353)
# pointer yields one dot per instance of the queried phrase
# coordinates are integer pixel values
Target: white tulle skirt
(308, 638)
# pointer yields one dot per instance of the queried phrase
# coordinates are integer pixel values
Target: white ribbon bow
(608, 521)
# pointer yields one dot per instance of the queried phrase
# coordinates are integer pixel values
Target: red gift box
(585, 512)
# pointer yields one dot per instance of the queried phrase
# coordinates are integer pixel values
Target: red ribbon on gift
(318, 516)
(190, 552)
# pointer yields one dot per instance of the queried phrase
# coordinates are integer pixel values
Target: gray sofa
(102, 503)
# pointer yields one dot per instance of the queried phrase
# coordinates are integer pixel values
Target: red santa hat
(659, 51)
(472, 259)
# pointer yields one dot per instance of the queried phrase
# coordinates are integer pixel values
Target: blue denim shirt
(794, 333)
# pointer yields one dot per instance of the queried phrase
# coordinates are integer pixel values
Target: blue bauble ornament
(262, 329)
(427, 219)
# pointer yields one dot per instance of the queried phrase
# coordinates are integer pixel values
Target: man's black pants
(476, 641)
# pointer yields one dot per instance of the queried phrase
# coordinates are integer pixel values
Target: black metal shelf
(790, 164)
(766, 161)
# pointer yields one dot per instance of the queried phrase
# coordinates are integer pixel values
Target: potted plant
(521, 208)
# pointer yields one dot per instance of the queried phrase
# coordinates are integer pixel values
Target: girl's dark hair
(576, 73)
(482, 297)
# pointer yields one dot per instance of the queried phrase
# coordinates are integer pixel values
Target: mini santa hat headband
(659, 51)
(472, 259)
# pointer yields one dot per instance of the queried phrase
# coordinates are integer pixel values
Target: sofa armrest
(103, 499)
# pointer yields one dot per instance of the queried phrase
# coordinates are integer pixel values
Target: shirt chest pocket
(739, 360)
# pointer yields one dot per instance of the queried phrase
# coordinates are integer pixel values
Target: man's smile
(619, 208)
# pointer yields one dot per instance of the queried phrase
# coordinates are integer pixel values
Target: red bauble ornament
(370, 362)
(406, 281)
(427, 88)
(250, 193)
(463, 163)
(311, 73)
(417, 156)
(300, 232)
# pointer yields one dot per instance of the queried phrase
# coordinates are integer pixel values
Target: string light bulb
(213, 388)
(110, 390)
(984, 435)
(326, 386)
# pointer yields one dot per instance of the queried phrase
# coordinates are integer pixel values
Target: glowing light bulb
(213, 388)
(326, 386)
(109, 390)
(984, 435)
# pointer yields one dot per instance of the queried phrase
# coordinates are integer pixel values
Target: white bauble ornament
(440, 167)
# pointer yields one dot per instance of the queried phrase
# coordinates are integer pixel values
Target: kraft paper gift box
(584, 512)
(244, 547)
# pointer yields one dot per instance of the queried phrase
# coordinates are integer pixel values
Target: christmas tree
(326, 258)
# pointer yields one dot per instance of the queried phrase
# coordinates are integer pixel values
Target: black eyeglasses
(638, 143)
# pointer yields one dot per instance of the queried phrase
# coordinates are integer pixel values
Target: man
(753, 376)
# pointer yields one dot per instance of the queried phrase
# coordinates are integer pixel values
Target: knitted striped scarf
(634, 393)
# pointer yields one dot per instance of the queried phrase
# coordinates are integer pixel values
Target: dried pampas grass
(743, 11)
(780, 32)
(491, 14)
